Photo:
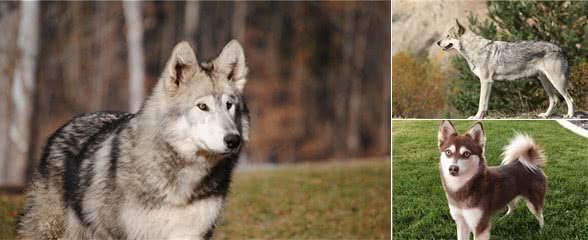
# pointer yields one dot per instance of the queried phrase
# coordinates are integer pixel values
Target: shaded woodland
(318, 84)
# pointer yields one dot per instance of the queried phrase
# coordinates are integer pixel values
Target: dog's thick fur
(162, 173)
(496, 60)
(475, 191)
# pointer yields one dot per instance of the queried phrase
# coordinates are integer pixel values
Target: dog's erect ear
(231, 62)
(180, 67)
(446, 129)
(476, 132)
(461, 29)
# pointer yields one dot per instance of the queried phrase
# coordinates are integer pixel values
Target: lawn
(349, 200)
(420, 205)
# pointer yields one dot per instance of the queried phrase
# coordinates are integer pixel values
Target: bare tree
(9, 21)
(239, 20)
(348, 31)
(355, 89)
(22, 92)
(191, 20)
(136, 60)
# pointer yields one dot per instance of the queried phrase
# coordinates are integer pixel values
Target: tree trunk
(191, 21)
(9, 21)
(360, 46)
(22, 92)
(239, 21)
(134, 19)
(343, 88)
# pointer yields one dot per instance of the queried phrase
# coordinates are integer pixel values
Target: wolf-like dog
(475, 191)
(496, 60)
(162, 173)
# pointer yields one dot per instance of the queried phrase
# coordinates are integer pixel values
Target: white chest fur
(190, 222)
(471, 216)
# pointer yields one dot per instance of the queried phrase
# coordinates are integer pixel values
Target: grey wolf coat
(162, 173)
(496, 60)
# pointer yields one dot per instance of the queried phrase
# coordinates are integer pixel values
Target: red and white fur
(475, 191)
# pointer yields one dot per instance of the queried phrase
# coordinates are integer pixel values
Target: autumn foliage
(418, 89)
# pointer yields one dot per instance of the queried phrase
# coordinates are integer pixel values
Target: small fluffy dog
(475, 191)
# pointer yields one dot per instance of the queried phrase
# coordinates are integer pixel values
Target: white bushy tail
(522, 148)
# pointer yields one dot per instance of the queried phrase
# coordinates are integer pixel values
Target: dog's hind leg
(535, 200)
(551, 93)
(511, 207)
(537, 210)
(557, 77)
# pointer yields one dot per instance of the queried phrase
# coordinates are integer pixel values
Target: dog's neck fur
(460, 189)
(186, 174)
(471, 43)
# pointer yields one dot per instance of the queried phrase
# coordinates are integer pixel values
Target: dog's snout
(232, 141)
(453, 170)
(439, 43)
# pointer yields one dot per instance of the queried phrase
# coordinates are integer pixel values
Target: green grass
(348, 200)
(420, 205)
(10, 206)
(326, 201)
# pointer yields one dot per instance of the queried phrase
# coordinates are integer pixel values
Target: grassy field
(420, 205)
(348, 200)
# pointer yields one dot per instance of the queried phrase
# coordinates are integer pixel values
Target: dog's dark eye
(229, 105)
(448, 152)
(466, 154)
(202, 106)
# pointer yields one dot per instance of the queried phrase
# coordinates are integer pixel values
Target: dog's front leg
(485, 88)
(463, 231)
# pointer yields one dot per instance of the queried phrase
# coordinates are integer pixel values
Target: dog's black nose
(439, 43)
(232, 141)
(453, 170)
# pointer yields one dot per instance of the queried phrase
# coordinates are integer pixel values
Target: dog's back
(58, 174)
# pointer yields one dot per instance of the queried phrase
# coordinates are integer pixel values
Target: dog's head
(200, 107)
(461, 155)
(452, 38)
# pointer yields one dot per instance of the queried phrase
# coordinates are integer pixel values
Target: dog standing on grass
(162, 173)
(475, 191)
(496, 60)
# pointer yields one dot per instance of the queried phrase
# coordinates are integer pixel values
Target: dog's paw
(543, 115)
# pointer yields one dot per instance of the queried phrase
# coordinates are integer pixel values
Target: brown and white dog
(475, 191)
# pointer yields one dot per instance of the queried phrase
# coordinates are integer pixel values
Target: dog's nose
(232, 141)
(453, 170)
(439, 43)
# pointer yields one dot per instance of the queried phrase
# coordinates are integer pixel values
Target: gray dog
(495, 60)
(162, 173)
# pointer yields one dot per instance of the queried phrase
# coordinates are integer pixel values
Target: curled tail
(522, 148)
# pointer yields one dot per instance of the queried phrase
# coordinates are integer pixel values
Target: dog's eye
(202, 106)
(448, 152)
(466, 154)
(229, 105)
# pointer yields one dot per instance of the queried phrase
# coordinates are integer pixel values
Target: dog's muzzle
(453, 170)
(449, 46)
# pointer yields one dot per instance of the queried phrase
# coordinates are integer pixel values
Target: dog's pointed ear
(231, 63)
(461, 29)
(476, 132)
(446, 129)
(180, 67)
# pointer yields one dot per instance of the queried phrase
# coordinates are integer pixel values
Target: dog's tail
(522, 148)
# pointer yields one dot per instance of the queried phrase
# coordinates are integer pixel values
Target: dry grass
(349, 200)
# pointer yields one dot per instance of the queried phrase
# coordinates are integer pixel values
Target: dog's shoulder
(70, 138)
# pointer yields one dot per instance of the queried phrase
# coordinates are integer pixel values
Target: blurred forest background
(430, 83)
(318, 84)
